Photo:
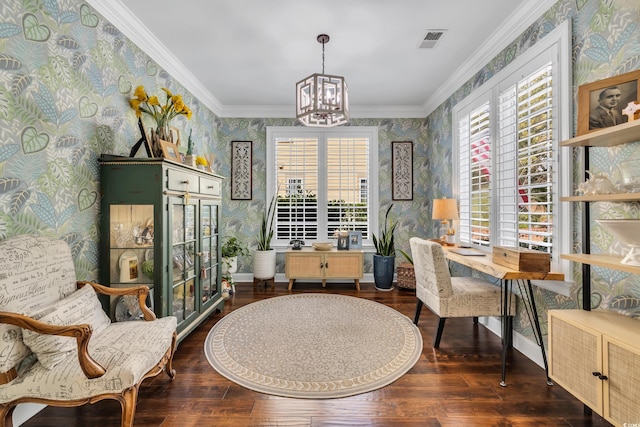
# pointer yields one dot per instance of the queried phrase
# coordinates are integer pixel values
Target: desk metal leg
(506, 327)
(537, 330)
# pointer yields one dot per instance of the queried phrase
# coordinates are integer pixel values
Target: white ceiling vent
(430, 39)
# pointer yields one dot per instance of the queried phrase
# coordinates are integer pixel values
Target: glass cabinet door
(131, 239)
(183, 261)
(209, 251)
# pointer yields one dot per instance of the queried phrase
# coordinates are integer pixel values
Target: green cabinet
(159, 227)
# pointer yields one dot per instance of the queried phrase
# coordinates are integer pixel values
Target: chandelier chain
(322, 56)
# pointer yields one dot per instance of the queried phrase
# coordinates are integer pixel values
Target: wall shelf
(602, 260)
(608, 137)
(617, 197)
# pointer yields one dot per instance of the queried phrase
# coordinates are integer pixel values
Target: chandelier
(322, 100)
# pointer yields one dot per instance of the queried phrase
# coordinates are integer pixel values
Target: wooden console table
(484, 264)
(308, 263)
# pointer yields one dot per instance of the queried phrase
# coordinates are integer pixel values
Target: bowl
(322, 246)
(628, 232)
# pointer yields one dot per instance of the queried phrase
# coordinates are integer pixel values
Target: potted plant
(231, 249)
(385, 257)
(264, 259)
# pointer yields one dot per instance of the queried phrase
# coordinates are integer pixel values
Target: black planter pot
(383, 267)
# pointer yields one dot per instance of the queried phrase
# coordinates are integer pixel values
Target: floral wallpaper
(67, 74)
(242, 218)
(606, 42)
(66, 77)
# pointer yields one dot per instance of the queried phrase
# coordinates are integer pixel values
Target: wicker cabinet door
(622, 388)
(575, 353)
(344, 265)
(304, 265)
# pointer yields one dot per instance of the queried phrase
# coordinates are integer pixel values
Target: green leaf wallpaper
(67, 74)
(66, 77)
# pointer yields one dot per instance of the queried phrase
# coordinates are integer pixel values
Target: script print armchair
(58, 347)
(448, 296)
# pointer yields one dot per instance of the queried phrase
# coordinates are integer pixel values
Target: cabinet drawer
(182, 181)
(209, 186)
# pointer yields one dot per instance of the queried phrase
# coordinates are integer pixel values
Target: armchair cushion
(127, 351)
(82, 306)
(48, 276)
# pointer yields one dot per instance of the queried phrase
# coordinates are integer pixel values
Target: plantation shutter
(297, 181)
(347, 170)
(322, 181)
(525, 162)
(479, 180)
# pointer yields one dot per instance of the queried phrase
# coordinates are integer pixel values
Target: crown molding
(122, 17)
(288, 111)
(514, 25)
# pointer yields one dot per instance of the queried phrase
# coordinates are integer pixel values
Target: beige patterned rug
(313, 346)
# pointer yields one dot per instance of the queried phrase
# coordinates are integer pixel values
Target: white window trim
(554, 47)
(371, 132)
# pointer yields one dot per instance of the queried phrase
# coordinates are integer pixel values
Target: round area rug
(313, 346)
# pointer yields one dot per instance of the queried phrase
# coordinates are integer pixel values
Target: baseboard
(521, 343)
(280, 277)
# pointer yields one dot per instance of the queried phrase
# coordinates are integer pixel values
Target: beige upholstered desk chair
(450, 296)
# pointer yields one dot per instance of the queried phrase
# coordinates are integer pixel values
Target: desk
(484, 264)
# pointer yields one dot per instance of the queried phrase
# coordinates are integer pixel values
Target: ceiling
(245, 56)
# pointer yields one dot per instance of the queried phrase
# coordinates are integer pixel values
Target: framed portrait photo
(170, 151)
(343, 242)
(600, 103)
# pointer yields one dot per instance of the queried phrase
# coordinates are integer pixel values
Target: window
(322, 178)
(507, 159)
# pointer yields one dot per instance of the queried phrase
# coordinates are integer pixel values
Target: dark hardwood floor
(457, 385)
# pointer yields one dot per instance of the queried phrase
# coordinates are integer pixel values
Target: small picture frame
(355, 240)
(170, 151)
(343, 242)
(600, 103)
(145, 140)
(175, 135)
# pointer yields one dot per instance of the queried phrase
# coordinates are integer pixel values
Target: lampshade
(444, 209)
(322, 100)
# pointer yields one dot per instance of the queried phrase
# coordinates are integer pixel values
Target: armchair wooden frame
(90, 367)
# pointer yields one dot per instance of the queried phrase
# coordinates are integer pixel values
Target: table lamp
(445, 210)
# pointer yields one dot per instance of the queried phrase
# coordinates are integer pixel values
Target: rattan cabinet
(311, 264)
(595, 355)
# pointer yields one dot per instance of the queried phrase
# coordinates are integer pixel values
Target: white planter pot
(229, 265)
(264, 264)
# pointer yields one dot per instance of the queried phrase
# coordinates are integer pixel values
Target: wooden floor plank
(456, 385)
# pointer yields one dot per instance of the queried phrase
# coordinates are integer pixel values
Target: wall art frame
(402, 170)
(241, 170)
(590, 116)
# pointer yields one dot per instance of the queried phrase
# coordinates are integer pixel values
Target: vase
(383, 267)
(229, 265)
(264, 264)
(190, 160)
